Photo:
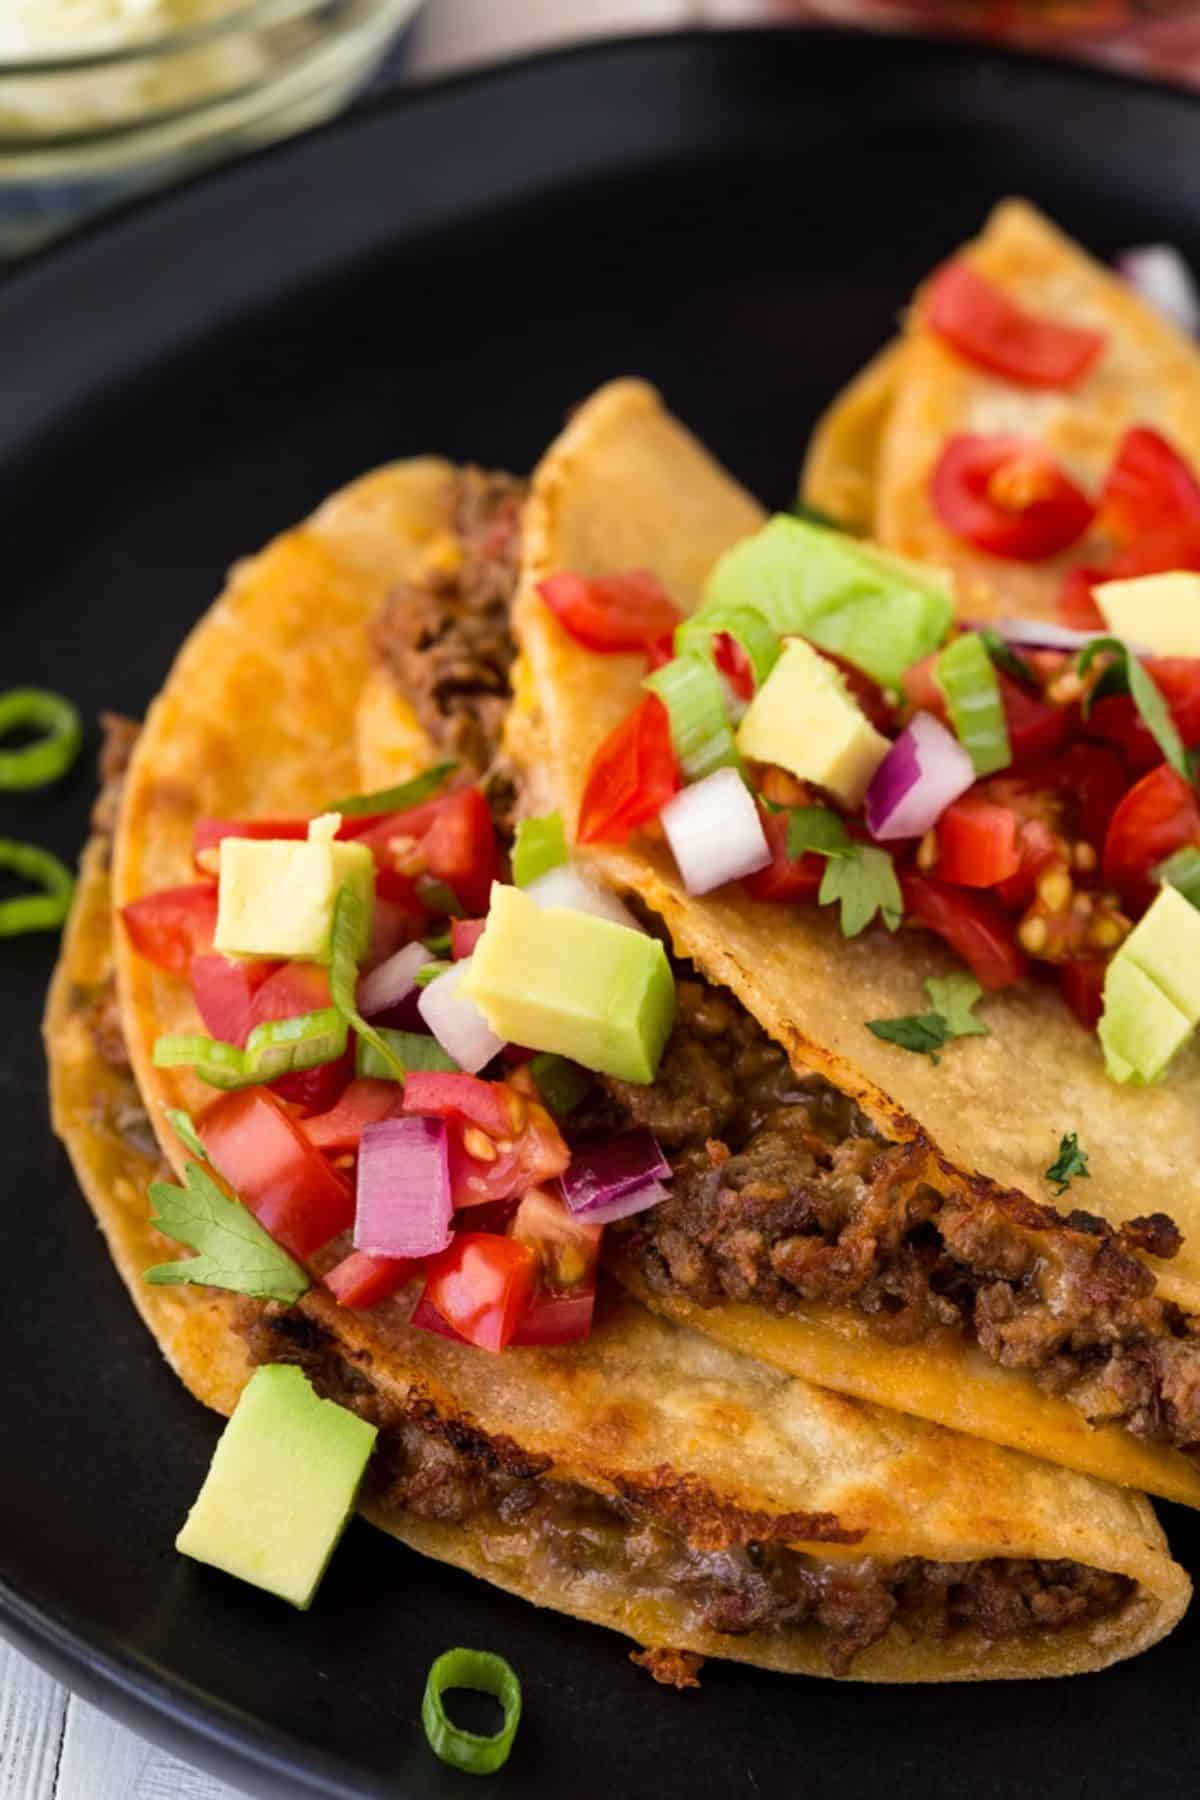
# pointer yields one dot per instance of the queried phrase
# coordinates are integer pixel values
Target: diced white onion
(457, 1023)
(1165, 282)
(392, 982)
(715, 832)
(569, 886)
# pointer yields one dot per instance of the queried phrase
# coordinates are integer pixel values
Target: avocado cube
(804, 719)
(1141, 1028)
(570, 983)
(281, 1486)
(881, 611)
(1161, 612)
(1165, 945)
(276, 896)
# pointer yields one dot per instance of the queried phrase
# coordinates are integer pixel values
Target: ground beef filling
(784, 1195)
(447, 639)
(442, 1470)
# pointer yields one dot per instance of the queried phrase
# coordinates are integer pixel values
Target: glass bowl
(100, 99)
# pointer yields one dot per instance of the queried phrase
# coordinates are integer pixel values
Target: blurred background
(100, 99)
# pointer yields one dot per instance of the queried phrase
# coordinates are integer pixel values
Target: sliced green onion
(185, 1131)
(49, 756)
(437, 898)
(817, 828)
(561, 1083)
(540, 845)
(484, 1673)
(1182, 871)
(1006, 658)
(742, 623)
(347, 944)
(816, 515)
(408, 1049)
(440, 945)
(430, 971)
(34, 912)
(965, 674)
(276, 1047)
(1145, 694)
(396, 799)
(690, 689)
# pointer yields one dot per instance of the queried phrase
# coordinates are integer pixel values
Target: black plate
(738, 219)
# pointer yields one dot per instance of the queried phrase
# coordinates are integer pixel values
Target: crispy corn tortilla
(888, 429)
(625, 486)
(720, 1446)
(708, 1439)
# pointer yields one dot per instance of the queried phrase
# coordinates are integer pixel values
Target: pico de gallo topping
(376, 1122)
(1023, 791)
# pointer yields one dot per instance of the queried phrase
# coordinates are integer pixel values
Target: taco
(644, 1477)
(891, 1235)
(967, 371)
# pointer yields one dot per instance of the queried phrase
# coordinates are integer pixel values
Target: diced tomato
(172, 926)
(1158, 815)
(921, 689)
(365, 1102)
(1117, 720)
(989, 329)
(1082, 985)
(611, 612)
(224, 989)
(1169, 547)
(450, 839)
(1039, 847)
(660, 651)
(1148, 487)
(318, 1089)
(1075, 606)
(208, 833)
(490, 1105)
(567, 1251)
(734, 664)
(464, 935)
(1008, 496)
(1035, 729)
(1092, 781)
(535, 1154)
(427, 1318)
(394, 922)
(633, 775)
(481, 1284)
(864, 689)
(294, 989)
(975, 926)
(361, 1280)
(274, 1170)
(977, 843)
(785, 878)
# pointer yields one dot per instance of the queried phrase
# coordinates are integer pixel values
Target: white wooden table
(54, 1746)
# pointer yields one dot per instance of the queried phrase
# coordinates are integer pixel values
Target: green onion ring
(34, 912)
(486, 1674)
(49, 756)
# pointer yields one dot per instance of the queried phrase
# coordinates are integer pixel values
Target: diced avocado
(1165, 945)
(1159, 612)
(1141, 1029)
(555, 979)
(276, 896)
(881, 611)
(804, 719)
(280, 1487)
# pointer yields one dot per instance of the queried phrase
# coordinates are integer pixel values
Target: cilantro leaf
(864, 884)
(1145, 694)
(185, 1131)
(923, 1033)
(817, 828)
(953, 997)
(234, 1251)
(1070, 1164)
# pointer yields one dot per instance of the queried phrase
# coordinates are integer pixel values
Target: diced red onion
(404, 1206)
(456, 1022)
(925, 769)
(569, 886)
(1036, 634)
(715, 832)
(392, 981)
(602, 1172)
(623, 1206)
(1163, 279)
